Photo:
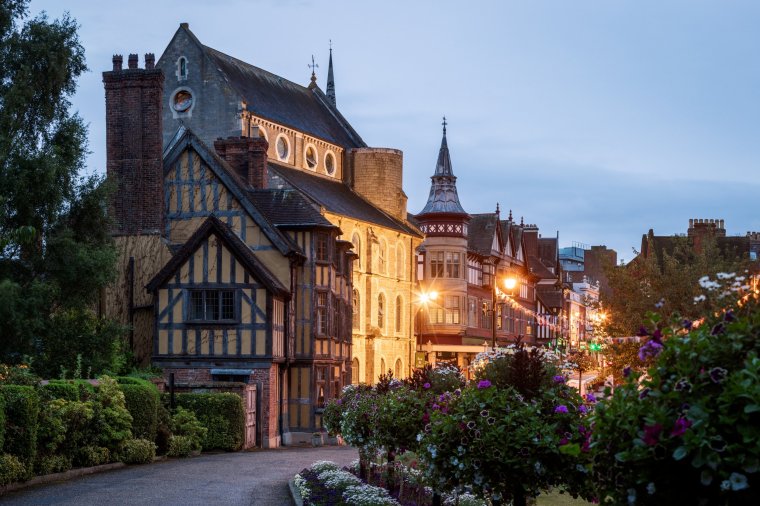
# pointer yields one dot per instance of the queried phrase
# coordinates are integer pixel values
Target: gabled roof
(286, 208)
(336, 197)
(224, 173)
(481, 231)
(237, 247)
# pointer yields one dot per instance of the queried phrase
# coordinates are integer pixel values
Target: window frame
(220, 302)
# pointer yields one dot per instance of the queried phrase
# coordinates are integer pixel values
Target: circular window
(283, 148)
(182, 101)
(311, 157)
(330, 163)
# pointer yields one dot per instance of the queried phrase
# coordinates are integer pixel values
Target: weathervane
(313, 66)
(444, 125)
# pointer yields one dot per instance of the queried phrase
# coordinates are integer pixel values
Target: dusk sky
(598, 119)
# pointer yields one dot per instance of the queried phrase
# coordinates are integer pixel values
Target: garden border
(294, 493)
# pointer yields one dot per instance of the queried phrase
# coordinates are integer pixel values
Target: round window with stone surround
(330, 163)
(310, 157)
(182, 101)
(283, 148)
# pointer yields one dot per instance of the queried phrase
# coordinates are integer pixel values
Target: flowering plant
(687, 433)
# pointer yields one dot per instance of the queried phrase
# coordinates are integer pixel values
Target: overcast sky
(598, 119)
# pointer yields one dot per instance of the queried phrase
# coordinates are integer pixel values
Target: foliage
(666, 278)
(138, 451)
(51, 434)
(47, 464)
(58, 389)
(89, 456)
(142, 400)
(18, 374)
(2, 422)
(77, 417)
(223, 417)
(439, 379)
(621, 356)
(163, 430)
(11, 469)
(22, 407)
(517, 366)
(331, 416)
(186, 425)
(112, 422)
(55, 250)
(687, 432)
(401, 415)
(181, 446)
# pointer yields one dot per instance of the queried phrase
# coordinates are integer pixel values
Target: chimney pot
(117, 62)
(150, 61)
(132, 61)
(186, 26)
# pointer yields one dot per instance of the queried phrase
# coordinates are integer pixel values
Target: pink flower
(679, 428)
(652, 434)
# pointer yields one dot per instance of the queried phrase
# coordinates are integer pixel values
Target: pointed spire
(331, 81)
(497, 208)
(443, 190)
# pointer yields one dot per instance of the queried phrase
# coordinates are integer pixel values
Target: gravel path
(244, 478)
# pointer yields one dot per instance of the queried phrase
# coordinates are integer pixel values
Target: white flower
(699, 298)
(651, 488)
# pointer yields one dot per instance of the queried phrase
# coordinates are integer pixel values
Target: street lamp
(509, 284)
(422, 300)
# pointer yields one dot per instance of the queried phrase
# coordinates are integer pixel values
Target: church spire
(443, 189)
(331, 81)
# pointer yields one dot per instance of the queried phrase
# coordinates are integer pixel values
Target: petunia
(559, 378)
(718, 329)
(560, 409)
(590, 397)
(682, 385)
(652, 434)
(643, 394)
(718, 374)
(738, 481)
(650, 350)
(679, 428)
(426, 386)
(686, 324)
(484, 384)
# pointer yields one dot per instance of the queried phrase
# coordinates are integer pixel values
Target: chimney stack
(134, 145)
(247, 156)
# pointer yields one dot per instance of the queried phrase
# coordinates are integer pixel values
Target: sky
(594, 119)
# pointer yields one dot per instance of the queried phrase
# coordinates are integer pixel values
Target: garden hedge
(59, 389)
(22, 406)
(223, 416)
(143, 400)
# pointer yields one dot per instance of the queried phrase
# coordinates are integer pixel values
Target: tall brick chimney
(247, 156)
(134, 147)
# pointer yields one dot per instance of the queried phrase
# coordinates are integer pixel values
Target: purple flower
(652, 434)
(484, 413)
(642, 331)
(583, 409)
(686, 324)
(729, 316)
(484, 384)
(491, 420)
(560, 409)
(718, 329)
(682, 385)
(657, 336)
(660, 303)
(590, 398)
(470, 425)
(718, 374)
(643, 394)
(626, 372)
(679, 428)
(559, 378)
(650, 350)
(426, 386)
(340, 401)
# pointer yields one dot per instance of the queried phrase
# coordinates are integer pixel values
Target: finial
(510, 215)
(444, 130)
(497, 204)
(330, 43)
(521, 221)
(313, 66)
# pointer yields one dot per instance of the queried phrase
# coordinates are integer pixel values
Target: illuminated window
(381, 311)
(399, 313)
(357, 249)
(355, 309)
(322, 316)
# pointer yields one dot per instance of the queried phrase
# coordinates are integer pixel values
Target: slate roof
(538, 268)
(480, 233)
(550, 297)
(239, 249)
(287, 208)
(548, 250)
(338, 198)
(443, 196)
(275, 98)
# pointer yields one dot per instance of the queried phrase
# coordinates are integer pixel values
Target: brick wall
(247, 156)
(134, 145)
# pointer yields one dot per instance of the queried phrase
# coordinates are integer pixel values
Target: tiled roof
(282, 101)
(239, 249)
(336, 197)
(538, 268)
(287, 208)
(480, 233)
(550, 297)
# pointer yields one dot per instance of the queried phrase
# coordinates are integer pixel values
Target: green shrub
(131, 380)
(138, 451)
(2, 421)
(78, 418)
(181, 446)
(89, 456)
(22, 408)
(51, 432)
(142, 401)
(112, 421)
(11, 469)
(49, 464)
(185, 424)
(59, 389)
(223, 416)
(18, 374)
(163, 431)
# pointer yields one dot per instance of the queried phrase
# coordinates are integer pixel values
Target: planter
(316, 439)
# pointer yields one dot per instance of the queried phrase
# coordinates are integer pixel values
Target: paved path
(245, 478)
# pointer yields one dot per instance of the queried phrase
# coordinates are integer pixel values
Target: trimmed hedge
(142, 400)
(59, 389)
(223, 416)
(22, 407)
(138, 451)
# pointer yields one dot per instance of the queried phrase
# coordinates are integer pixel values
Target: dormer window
(182, 68)
(283, 148)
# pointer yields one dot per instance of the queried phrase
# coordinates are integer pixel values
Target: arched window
(399, 313)
(356, 241)
(355, 371)
(381, 311)
(382, 366)
(400, 262)
(382, 266)
(182, 68)
(399, 366)
(355, 309)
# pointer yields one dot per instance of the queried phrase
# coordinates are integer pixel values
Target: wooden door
(250, 416)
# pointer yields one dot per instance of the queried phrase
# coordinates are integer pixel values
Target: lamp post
(423, 299)
(509, 284)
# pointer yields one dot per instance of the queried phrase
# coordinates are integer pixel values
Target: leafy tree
(55, 250)
(666, 279)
